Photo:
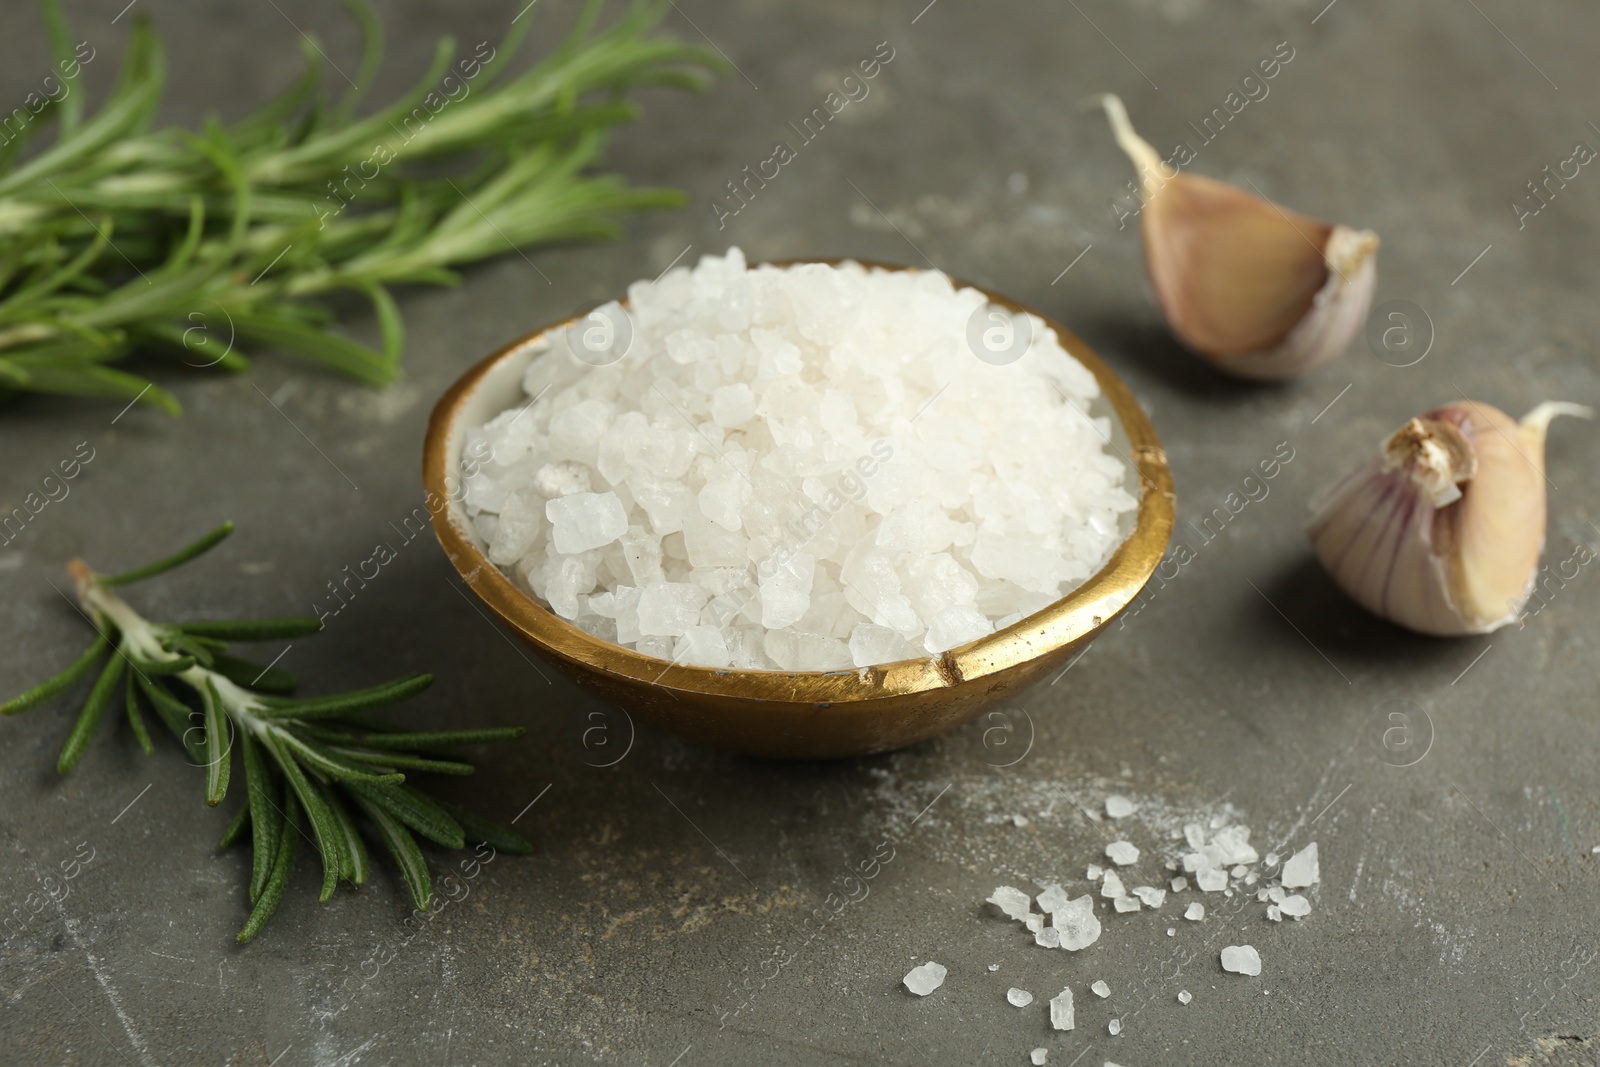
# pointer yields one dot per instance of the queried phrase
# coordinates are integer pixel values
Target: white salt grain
(994, 966)
(1195, 912)
(1271, 859)
(1150, 896)
(1111, 886)
(1211, 880)
(1274, 913)
(1179, 884)
(1114, 1027)
(925, 979)
(1184, 996)
(1302, 869)
(1126, 904)
(1014, 902)
(1039, 1055)
(1172, 931)
(1120, 806)
(1094, 872)
(1048, 937)
(1100, 988)
(1079, 925)
(1053, 898)
(1122, 853)
(1295, 906)
(755, 440)
(1241, 959)
(1019, 998)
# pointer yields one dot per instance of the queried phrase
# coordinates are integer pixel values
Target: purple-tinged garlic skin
(1442, 531)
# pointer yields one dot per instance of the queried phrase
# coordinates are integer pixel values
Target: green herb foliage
(310, 765)
(120, 236)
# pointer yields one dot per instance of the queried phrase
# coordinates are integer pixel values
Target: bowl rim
(1063, 623)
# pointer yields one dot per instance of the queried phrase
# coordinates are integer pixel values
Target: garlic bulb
(1442, 531)
(1259, 291)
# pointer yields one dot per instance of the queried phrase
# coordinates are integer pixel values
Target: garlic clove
(1260, 291)
(1442, 531)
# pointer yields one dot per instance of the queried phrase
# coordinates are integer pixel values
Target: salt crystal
(1014, 902)
(1276, 894)
(1251, 878)
(1048, 937)
(994, 966)
(1034, 923)
(1118, 806)
(1195, 835)
(1094, 872)
(1122, 853)
(1184, 996)
(1241, 959)
(1295, 906)
(1179, 884)
(786, 591)
(871, 644)
(1211, 880)
(1079, 925)
(1195, 911)
(733, 405)
(1039, 1055)
(1019, 998)
(1271, 859)
(1239, 870)
(925, 979)
(1114, 1027)
(1274, 913)
(1053, 898)
(702, 646)
(585, 520)
(1126, 904)
(1019, 820)
(1150, 895)
(1111, 887)
(1100, 988)
(1302, 869)
(668, 609)
(1172, 931)
(1231, 845)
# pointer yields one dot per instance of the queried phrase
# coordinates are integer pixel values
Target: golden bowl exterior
(803, 714)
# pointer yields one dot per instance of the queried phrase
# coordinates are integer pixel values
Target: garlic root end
(1140, 151)
(1537, 421)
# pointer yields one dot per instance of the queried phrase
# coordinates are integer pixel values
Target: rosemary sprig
(310, 765)
(119, 236)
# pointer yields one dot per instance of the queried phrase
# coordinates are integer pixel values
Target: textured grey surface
(1455, 920)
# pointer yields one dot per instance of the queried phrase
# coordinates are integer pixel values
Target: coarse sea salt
(1122, 853)
(1100, 988)
(1241, 959)
(925, 979)
(1061, 1010)
(802, 468)
(1019, 998)
(1039, 1055)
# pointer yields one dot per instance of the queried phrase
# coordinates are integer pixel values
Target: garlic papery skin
(1259, 291)
(1441, 532)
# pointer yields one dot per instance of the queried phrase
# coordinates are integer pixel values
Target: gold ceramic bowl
(804, 714)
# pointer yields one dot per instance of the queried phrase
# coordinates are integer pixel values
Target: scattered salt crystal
(1118, 806)
(1179, 884)
(1079, 925)
(1061, 1010)
(1019, 998)
(1274, 913)
(1195, 835)
(668, 609)
(1218, 820)
(1053, 898)
(1150, 896)
(1251, 878)
(1276, 894)
(1227, 892)
(1295, 906)
(1039, 1055)
(1195, 861)
(1034, 923)
(1172, 865)
(1241, 959)
(1238, 870)
(1264, 894)
(1271, 859)
(1231, 845)
(1195, 911)
(1111, 887)
(1172, 931)
(1094, 872)
(1126, 904)
(1019, 820)
(1211, 880)
(1184, 996)
(925, 979)
(1302, 869)
(1122, 853)
(994, 966)
(1114, 1027)
(1048, 937)
(1014, 902)
(1100, 988)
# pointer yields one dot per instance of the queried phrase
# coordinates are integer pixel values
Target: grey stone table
(661, 920)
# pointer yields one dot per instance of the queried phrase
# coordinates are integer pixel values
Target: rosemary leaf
(60, 683)
(130, 698)
(413, 866)
(356, 700)
(282, 864)
(266, 822)
(242, 672)
(322, 823)
(354, 862)
(252, 629)
(422, 814)
(177, 559)
(105, 688)
(235, 831)
(499, 838)
(219, 745)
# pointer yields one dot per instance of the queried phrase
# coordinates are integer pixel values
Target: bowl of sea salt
(800, 510)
